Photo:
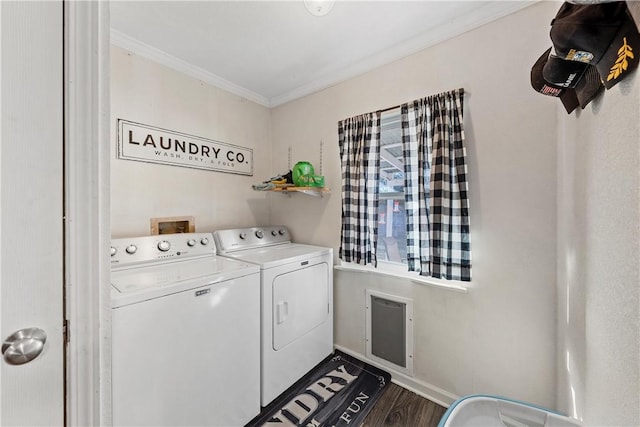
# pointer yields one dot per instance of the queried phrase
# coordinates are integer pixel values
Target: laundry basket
(489, 411)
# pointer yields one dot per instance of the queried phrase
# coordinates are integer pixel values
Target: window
(392, 225)
(404, 188)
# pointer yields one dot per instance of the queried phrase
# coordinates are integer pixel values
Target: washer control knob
(114, 251)
(204, 241)
(259, 234)
(164, 246)
(282, 232)
(131, 249)
(243, 236)
(191, 242)
(274, 233)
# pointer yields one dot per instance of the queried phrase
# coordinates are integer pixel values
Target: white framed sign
(152, 144)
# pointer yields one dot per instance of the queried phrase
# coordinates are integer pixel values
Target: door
(31, 206)
(300, 303)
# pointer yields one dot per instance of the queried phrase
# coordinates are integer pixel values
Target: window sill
(455, 286)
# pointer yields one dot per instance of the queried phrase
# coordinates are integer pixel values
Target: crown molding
(136, 46)
(463, 24)
(491, 12)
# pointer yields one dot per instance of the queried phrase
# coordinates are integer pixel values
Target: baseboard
(421, 388)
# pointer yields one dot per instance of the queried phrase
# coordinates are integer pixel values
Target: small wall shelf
(311, 191)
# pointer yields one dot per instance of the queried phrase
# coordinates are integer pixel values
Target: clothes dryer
(175, 358)
(296, 302)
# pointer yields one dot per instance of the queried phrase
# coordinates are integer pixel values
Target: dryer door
(300, 303)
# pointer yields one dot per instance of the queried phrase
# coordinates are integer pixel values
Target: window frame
(396, 270)
(399, 269)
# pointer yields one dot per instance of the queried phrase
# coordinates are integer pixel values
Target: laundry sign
(152, 144)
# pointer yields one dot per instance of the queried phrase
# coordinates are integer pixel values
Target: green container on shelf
(316, 181)
(299, 170)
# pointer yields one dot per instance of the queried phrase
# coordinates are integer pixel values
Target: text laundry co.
(181, 146)
(156, 145)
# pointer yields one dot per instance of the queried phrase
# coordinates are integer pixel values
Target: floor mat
(338, 392)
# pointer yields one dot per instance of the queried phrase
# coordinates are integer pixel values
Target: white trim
(421, 388)
(87, 154)
(463, 24)
(136, 46)
(449, 285)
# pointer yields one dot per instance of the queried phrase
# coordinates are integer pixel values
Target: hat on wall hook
(603, 35)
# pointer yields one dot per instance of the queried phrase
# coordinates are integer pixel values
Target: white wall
(501, 336)
(537, 177)
(146, 92)
(598, 264)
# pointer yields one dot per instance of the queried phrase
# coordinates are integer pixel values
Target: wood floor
(400, 407)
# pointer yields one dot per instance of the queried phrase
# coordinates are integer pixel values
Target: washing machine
(175, 358)
(296, 302)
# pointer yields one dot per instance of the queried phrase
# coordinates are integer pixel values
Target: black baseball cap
(603, 35)
(578, 92)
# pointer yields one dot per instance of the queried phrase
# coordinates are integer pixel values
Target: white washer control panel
(247, 238)
(147, 249)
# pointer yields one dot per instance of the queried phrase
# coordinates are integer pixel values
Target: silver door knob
(23, 346)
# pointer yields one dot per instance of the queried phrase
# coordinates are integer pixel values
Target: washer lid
(272, 256)
(171, 274)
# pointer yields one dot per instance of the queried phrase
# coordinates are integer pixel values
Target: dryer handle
(282, 312)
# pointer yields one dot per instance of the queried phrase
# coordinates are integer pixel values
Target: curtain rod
(400, 105)
(389, 108)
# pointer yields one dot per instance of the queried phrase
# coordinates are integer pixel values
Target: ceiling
(272, 52)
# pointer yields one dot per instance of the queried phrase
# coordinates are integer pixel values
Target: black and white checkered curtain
(359, 139)
(436, 198)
